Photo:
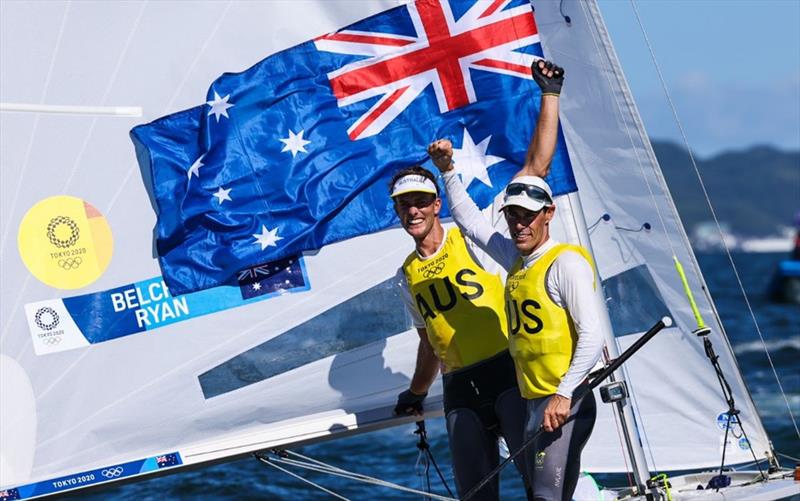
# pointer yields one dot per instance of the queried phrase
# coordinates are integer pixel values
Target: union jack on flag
(440, 53)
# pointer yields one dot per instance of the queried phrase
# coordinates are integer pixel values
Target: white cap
(411, 183)
(530, 192)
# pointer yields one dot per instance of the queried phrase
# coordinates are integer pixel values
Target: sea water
(391, 454)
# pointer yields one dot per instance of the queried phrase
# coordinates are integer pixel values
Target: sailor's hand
(409, 403)
(549, 77)
(556, 412)
(441, 152)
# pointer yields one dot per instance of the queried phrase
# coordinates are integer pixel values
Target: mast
(630, 433)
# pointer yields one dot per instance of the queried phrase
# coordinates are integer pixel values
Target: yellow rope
(689, 296)
(663, 476)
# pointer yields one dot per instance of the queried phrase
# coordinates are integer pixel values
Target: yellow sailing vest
(461, 303)
(542, 337)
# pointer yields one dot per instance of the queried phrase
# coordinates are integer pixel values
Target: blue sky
(732, 68)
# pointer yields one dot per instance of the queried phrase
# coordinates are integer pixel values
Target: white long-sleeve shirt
(569, 281)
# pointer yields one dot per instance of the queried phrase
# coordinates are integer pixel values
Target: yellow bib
(461, 303)
(542, 337)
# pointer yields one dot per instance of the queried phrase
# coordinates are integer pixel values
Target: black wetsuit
(482, 403)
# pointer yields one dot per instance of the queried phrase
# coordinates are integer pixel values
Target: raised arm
(550, 78)
(466, 214)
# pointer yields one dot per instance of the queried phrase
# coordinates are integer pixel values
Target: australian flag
(297, 151)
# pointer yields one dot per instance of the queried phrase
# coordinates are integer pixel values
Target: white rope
(315, 461)
(302, 479)
(320, 467)
(788, 457)
(713, 214)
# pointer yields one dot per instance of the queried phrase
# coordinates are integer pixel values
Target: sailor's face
(529, 229)
(417, 212)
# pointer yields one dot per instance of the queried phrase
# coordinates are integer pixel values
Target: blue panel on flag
(297, 151)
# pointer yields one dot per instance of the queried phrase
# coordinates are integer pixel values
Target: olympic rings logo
(433, 271)
(112, 472)
(52, 341)
(61, 243)
(71, 263)
(45, 323)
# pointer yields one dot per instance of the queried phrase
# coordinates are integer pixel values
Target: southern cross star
(222, 194)
(267, 238)
(219, 106)
(471, 160)
(194, 170)
(295, 143)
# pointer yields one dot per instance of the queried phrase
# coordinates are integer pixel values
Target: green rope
(663, 477)
(689, 295)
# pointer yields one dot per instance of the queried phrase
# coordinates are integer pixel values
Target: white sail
(252, 377)
(675, 392)
(67, 411)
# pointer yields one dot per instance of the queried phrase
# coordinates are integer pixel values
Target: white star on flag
(194, 170)
(267, 238)
(222, 194)
(256, 286)
(471, 161)
(219, 106)
(295, 143)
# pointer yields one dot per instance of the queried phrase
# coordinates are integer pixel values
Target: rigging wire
(425, 451)
(713, 213)
(266, 461)
(618, 427)
(321, 467)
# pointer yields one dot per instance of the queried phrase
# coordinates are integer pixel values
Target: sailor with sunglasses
(553, 315)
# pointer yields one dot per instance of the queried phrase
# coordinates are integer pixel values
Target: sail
(634, 232)
(186, 379)
(85, 398)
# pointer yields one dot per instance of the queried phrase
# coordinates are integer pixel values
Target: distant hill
(755, 191)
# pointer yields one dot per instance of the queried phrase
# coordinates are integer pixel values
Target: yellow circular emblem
(65, 242)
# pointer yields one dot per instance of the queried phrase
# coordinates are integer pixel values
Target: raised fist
(441, 152)
(549, 77)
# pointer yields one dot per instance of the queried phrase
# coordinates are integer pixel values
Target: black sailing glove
(550, 85)
(408, 400)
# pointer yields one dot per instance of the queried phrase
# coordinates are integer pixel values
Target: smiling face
(418, 213)
(528, 229)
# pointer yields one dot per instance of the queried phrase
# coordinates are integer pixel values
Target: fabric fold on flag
(297, 151)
